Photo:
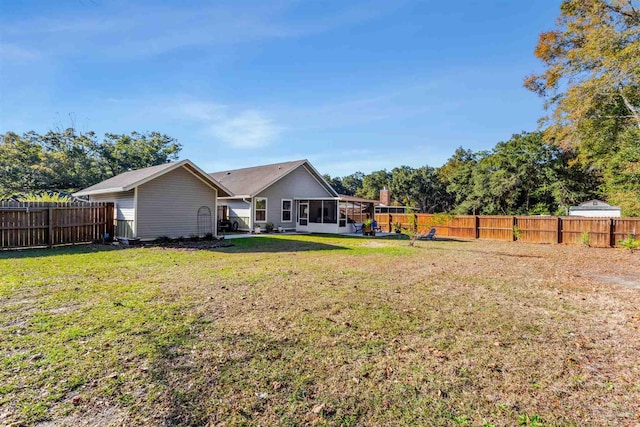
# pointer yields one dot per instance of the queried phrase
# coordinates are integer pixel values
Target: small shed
(174, 199)
(595, 208)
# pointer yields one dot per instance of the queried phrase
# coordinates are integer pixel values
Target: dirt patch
(110, 416)
(632, 282)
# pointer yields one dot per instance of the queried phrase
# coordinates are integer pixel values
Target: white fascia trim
(236, 198)
(316, 198)
(106, 190)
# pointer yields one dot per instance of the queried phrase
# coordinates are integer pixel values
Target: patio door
(303, 213)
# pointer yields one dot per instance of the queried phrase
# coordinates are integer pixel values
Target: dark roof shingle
(250, 181)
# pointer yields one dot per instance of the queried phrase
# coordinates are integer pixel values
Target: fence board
(37, 224)
(598, 230)
(496, 227)
(538, 229)
(622, 227)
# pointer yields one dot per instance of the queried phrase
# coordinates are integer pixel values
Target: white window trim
(255, 209)
(282, 210)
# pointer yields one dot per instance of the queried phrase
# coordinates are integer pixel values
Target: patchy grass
(321, 330)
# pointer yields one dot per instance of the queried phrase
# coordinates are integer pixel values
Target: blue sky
(350, 85)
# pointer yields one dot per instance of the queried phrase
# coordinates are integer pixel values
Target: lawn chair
(431, 235)
(358, 227)
(375, 227)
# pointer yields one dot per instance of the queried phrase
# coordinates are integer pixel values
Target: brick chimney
(385, 197)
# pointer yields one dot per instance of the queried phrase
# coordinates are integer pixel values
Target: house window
(261, 209)
(287, 206)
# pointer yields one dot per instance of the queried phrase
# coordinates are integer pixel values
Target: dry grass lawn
(320, 330)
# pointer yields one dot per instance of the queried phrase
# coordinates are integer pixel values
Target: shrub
(517, 233)
(586, 239)
(630, 243)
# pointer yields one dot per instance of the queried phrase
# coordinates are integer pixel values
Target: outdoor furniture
(431, 235)
(375, 227)
(358, 227)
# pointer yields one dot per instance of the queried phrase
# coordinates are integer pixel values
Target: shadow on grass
(267, 244)
(248, 245)
(57, 250)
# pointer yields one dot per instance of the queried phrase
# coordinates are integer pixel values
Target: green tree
(120, 153)
(352, 183)
(336, 183)
(23, 165)
(373, 183)
(524, 175)
(622, 177)
(419, 188)
(71, 157)
(65, 161)
(591, 85)
(457, 177)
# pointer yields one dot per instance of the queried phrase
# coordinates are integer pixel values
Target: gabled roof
(248, 182)
(129, 180)
(595, 205)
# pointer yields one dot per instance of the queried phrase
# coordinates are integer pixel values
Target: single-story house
(292, 195)
(595, 208)
(175, 199)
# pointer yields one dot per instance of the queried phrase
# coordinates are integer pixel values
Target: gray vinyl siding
(297, 184)
(168, 205)
(123, 203)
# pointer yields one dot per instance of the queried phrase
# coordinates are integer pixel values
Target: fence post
(110, 225)
(513, 227)
(559, 239)
(50, 223)
(390, 222)
(477, 227)
(612, 233)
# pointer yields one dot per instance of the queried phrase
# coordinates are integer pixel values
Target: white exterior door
(303, 214)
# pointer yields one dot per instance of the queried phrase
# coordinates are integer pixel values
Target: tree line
(66, 161)
(524, 175)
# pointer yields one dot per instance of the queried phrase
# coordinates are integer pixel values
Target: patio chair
(375, 227)
(358, 227)
(431, 235)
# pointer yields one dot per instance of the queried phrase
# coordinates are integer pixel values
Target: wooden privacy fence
(38, 224)
(601, 232)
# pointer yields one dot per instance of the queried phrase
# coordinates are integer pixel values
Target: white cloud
(249, 129)
(116, 30)
(244, 129)
(15, 53)
(201, 111)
